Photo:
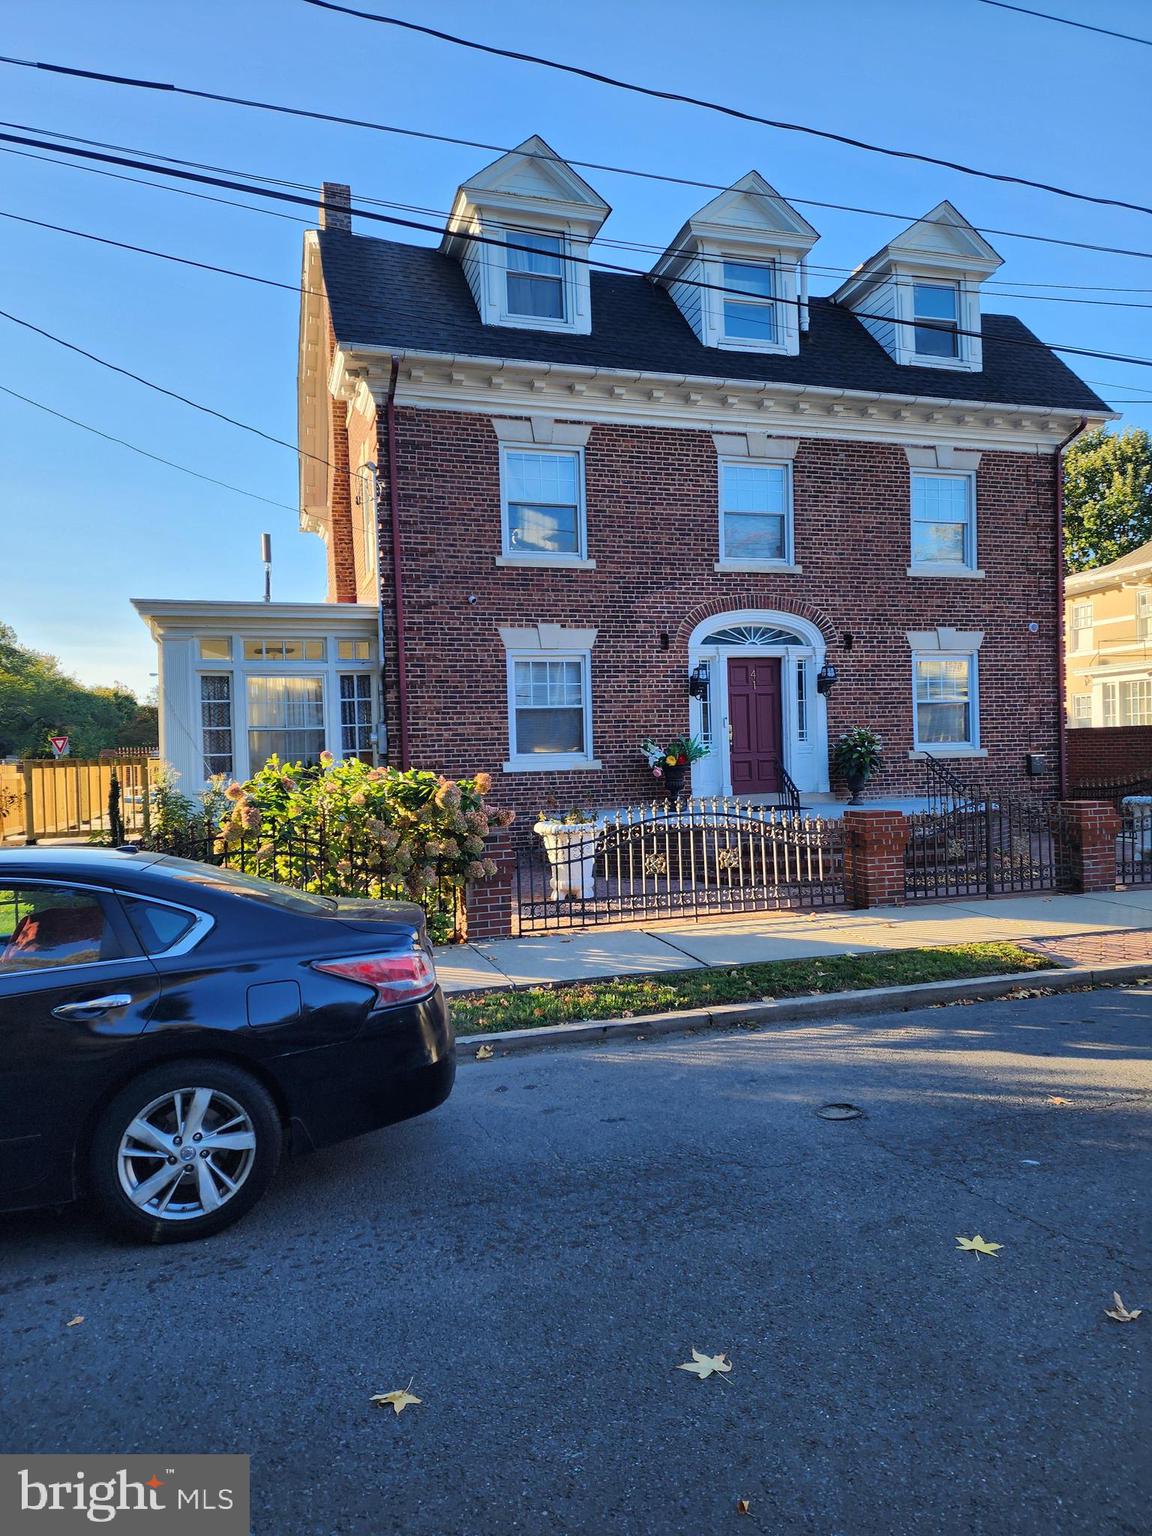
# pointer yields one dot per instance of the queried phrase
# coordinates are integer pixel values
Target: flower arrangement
(677, 753)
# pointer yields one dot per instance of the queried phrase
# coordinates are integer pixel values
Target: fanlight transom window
(753, 634)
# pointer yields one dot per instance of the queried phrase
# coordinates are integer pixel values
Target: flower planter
(855, 782)
(571, 850)
(674, 779)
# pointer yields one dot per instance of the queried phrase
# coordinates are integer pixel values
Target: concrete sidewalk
(579, 954)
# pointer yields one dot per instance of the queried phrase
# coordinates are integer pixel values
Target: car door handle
(93, 1006)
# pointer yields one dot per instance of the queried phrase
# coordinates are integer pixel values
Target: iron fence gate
(1134, 846)
(693, 858)
(973, 842)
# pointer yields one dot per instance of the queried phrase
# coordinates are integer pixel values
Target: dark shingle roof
(411, 298)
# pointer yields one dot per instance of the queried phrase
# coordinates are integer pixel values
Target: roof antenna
(266, 556)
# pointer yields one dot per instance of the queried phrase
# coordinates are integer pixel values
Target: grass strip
(625, 997)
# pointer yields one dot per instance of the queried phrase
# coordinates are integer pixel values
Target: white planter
(1139, 809)
(571, 850)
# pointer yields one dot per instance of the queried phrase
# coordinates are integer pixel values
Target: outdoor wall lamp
(698, 681)
(825, 678)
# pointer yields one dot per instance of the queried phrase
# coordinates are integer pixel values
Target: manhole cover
(840, 1112)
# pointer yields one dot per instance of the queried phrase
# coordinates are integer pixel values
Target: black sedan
(168, 1029)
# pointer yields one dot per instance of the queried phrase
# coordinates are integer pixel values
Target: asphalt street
(539, 1255)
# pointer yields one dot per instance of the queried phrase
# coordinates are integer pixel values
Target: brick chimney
(336, 206)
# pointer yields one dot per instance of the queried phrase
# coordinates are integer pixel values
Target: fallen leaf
(1052, 1099)
(75, 1322)
(743, 1507)
(1120, 1312)
(706, 1365)
(977, 1245)
(484, 1053)
(399, 1400)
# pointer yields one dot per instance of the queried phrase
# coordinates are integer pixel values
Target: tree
(1107, 497)
(38, 700)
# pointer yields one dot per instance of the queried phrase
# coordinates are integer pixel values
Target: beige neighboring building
(1108, 628)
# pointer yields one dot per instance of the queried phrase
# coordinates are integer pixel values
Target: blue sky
(85, 525)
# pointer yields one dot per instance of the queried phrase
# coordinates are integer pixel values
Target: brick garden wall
(653, 532)
(1109, 752)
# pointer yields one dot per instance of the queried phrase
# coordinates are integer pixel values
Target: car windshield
(233, 883)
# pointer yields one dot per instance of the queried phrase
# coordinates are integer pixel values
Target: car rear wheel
(185, 1150)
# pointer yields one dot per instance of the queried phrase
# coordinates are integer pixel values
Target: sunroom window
(749, 302)
(936, 311)
(285, 717)
(535, 272)
(216, 722)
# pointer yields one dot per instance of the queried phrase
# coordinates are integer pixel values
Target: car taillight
(396, 978)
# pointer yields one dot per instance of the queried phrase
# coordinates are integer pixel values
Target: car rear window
(158, 928)
(231, 882)
(42, 927)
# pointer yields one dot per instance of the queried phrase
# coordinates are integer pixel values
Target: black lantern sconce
(826, 678)
(698, 681)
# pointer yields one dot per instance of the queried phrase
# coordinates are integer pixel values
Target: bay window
(285, 718)
(216, 722)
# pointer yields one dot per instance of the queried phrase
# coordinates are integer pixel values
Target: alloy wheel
(186, 1154)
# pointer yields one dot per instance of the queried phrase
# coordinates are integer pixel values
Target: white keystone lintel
(541, 429)
(548, 637)
(943, 456)
(754, 445)
(944, 639)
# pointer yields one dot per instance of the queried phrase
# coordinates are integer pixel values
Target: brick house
(598, 507)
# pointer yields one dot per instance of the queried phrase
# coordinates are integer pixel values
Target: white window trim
(970, 568)
(787, 563)
(508, 555)
(550, 762)
(969, 358)
(949, 749)
(499, 253)
(779, 314)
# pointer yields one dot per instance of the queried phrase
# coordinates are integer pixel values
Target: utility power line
(502, 149)
(726, 111)
(144, 453)
(1066, 21)
(508, 244)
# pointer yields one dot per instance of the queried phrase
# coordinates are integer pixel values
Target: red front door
(755, 724)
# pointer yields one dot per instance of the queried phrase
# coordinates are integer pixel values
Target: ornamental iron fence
(686, 859)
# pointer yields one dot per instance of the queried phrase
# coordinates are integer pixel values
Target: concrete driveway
(540, 1254)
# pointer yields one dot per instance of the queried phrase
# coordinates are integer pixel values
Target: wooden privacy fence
(69, 798)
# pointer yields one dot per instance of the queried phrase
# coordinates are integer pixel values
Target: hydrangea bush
(347, 828)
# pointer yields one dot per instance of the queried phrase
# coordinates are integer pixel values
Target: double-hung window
(1143, 613)
(366, 501)
(535, 275)
(1082, 709)
(1136, 701)
(1082, 621)
(356, 715)
(543, 494)
(216, 722)
(749, 302)
(936, 317)
(944, 521)
(549, 709)
(285, 718)
(755, 512)
(945, 702)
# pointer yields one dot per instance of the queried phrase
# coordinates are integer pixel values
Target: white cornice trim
(447, 381)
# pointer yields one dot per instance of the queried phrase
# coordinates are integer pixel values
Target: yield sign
(59, 745)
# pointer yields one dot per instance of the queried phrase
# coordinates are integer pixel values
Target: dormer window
(751, 319)
(936, 311)
(535, 268)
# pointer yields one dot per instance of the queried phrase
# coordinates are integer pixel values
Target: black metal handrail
(946, 793)
(789, 794)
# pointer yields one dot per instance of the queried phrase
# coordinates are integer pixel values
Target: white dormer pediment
(735, 269)
(930, 272)
(529, 192)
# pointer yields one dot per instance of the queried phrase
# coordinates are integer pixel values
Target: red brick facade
(652, 523)
(1097, 753)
